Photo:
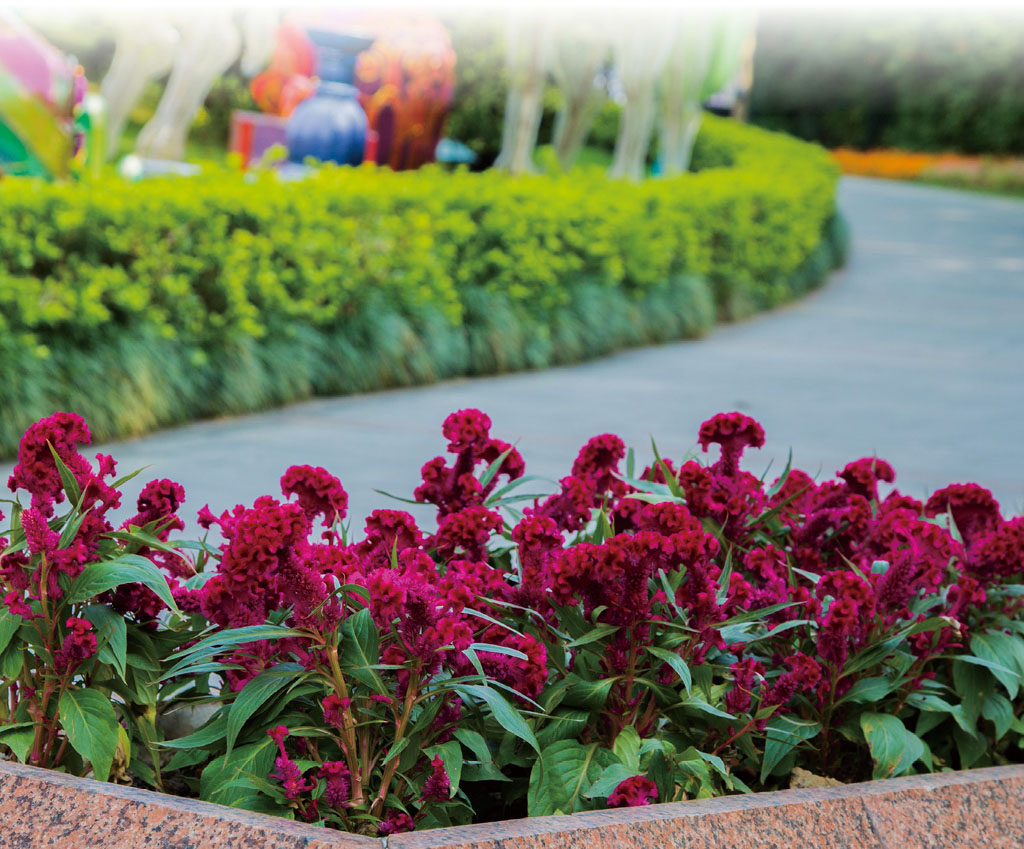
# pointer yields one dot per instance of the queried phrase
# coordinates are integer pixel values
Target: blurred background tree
(949, 82)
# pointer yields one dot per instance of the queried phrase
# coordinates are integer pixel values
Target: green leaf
(1006, 676)
(868, 690)
(593, 635)
(9, 625)
(677, 664)
(210, 733)
(566, 724)
(998, 710)
(893, 748)
(783, 735)
(562, 773)
(111, 635)
(221, 640)
(627, 749)
(359, 650)
(99, 577)
(19, 738)
(67, 479)
(930, 703)
(255, 694)
(90, 722)
(496, 649)
(704, 707)
(589, 694)
(492, 469)
(507, 716)
(1000, 659)
(610, 778)
(972, 683)
(217, 781)
(475, 742)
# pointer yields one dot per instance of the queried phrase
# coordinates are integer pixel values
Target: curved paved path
(914, 352)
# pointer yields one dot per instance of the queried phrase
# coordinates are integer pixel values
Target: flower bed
(143, 305)
(987, 173)
(642, 634)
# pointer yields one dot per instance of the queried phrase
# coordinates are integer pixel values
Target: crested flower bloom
(633, 793)
(733, 432)
(972, 507)
(453, 488)
(319, 493)
(862, 476)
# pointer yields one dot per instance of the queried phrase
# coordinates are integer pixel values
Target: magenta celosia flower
(38, 536)
(598, 464)
(862, 476)
(539, 543)
(388, 595)
(288, 772)
(733, 432)
(396, 822)
(78, 646)
(972, 507)
(36, 471)
(17, 606)
(633, 793)
(466, 533)
(437, 786)
(570, 507)
(747, 674)
(334, 706)
(337, 790)
(999, 554)
(319, 493)
(453, 488)
(159, 502)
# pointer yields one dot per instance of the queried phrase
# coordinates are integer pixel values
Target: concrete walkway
(914, 352)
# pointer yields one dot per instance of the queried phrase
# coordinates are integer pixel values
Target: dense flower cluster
(671, 627)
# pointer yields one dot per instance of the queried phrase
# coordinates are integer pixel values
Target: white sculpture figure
(144, 51)
(708, 52)
(209, 44)
(581, 48)
(194, 46)
(528, 54)
(641, 49)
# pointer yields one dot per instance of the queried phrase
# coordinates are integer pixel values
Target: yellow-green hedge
(139, 305)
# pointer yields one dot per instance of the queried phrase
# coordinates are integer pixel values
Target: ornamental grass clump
(624, 638)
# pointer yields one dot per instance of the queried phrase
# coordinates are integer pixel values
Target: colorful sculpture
(405, 79)
(39, 90)
(330, 126)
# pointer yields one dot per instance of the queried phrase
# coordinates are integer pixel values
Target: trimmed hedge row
(144, 305)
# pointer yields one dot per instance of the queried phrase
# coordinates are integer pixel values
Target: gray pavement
(914, 353)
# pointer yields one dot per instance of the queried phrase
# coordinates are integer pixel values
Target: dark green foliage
(145, 305)
(868, 79)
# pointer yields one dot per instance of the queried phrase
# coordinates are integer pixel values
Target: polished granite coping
(977, 808)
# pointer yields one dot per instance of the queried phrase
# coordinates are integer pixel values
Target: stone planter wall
(981, 808)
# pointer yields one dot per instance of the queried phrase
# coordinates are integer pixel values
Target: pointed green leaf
(89, 720)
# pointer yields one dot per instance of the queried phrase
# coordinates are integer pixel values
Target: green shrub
(143, 305)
